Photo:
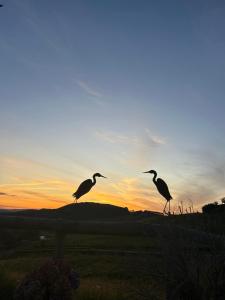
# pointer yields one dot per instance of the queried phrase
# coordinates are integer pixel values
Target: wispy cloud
(89, 90)
(155, 139)
(6, 194)
(43, 196)
(136, 195)
(3, 194)
(141, 147)
(36, 184)
(13, 162)
(113, 137)
(11, 207)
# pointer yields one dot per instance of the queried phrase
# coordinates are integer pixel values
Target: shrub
(195, 270)
(54, 280)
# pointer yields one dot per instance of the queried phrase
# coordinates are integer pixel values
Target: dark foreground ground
(182, 258)
(110, 267)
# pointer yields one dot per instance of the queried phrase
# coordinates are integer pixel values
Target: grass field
(116, 267)
(110, 267)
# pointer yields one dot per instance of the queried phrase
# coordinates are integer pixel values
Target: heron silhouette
(162, 187)
(86, 186)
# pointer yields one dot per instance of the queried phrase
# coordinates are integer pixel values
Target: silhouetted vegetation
(214, 208)
(54, 280)
(195, 269)
(145, 213)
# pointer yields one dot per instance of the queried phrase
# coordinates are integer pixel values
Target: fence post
(60, 238)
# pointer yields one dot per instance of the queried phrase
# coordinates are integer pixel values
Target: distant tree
(210, 208)
(214, 207)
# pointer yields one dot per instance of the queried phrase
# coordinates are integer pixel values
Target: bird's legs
(164, 208)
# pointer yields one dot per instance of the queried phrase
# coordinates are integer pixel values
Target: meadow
(110, 267)
(181, 257)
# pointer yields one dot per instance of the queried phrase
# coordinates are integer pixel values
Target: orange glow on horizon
(33, 189)
(38, 194)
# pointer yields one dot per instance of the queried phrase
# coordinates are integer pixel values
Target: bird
(162, 187)
(1, 5)
(86, 186)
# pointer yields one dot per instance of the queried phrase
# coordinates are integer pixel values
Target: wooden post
(60, 238)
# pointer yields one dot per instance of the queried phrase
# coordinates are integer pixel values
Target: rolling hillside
(79, 211)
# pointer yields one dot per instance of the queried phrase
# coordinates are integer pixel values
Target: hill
(79, 211)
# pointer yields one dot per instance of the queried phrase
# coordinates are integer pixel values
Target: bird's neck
(94, 180)
(154, 177)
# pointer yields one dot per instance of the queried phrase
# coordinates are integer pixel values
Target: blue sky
(117, 87)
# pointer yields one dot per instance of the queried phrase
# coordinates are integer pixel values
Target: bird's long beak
(103, 176)
(146, 172)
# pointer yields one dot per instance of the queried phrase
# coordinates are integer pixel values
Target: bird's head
(151, 172)
(98, 175)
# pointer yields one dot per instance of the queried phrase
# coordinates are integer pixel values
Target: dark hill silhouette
(80, 211)
(90, 210)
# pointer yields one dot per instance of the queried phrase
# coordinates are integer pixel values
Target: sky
(116, 87)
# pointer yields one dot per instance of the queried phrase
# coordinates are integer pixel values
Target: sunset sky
(117, 87)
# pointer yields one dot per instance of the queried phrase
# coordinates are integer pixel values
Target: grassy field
(110, 267)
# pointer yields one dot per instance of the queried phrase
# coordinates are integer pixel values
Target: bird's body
(85, 186)
(162, 188)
